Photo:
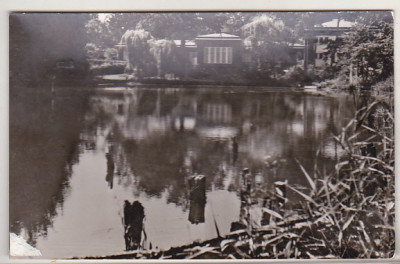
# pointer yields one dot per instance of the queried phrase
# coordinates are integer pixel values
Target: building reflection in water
(157, 139)
(157, 129)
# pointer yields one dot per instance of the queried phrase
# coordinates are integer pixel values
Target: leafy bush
(108, 68)
(94, 52)
(111, 54)
(300, 76)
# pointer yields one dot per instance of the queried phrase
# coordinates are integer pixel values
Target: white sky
(103, 16)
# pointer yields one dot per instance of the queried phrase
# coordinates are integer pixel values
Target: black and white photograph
(201, 135)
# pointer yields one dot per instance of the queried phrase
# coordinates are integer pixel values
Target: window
(193, 58)
(218, 55)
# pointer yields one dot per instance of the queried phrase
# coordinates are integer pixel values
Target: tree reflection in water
(44, 139)
(133, 225)
(158, 132)
(157, 141)
(165, 137)
(110, 167)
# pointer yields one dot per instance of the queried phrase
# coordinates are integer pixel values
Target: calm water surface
(67, 200)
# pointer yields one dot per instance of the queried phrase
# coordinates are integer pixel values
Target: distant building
(318, 37)
(122, 48)
(219, 49)
(188, 50)
(297, 52)
(211, 51)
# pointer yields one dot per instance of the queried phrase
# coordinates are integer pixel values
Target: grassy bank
(129, 80)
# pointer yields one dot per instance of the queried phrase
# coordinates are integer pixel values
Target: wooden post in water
(197, 197)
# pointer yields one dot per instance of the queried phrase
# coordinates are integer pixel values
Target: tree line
(38, 41)
(368, 48)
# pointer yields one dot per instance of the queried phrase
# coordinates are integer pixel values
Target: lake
(75, 158)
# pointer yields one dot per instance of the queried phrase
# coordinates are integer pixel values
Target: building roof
(298, 45)
(220, 36)
(334, 23)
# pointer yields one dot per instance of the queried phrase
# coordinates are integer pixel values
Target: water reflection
(181, 152)
(235, 150)
(44, 134)
(133, 225)
(197, 197)
(110, 167)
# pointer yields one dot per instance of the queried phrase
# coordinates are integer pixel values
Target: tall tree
(233, 22)
(39, 40)
(163, 51)
(367, 52)
(97, 32)
(173, 25)
(269, 41)
(107, 32)
(140, 59)
(118, 23)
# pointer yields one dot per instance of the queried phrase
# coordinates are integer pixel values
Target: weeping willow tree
(163, 52)
(148, 56)
(140, 58)
(268, 39)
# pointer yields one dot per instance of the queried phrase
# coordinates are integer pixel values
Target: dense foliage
(39, 41)
(363, 57)
(366, 54)
(269, 40)
(138, 45)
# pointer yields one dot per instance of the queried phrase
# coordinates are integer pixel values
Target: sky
(103, 16)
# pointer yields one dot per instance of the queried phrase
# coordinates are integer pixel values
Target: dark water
(73, 161)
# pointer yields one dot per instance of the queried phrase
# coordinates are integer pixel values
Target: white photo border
(8, 6)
